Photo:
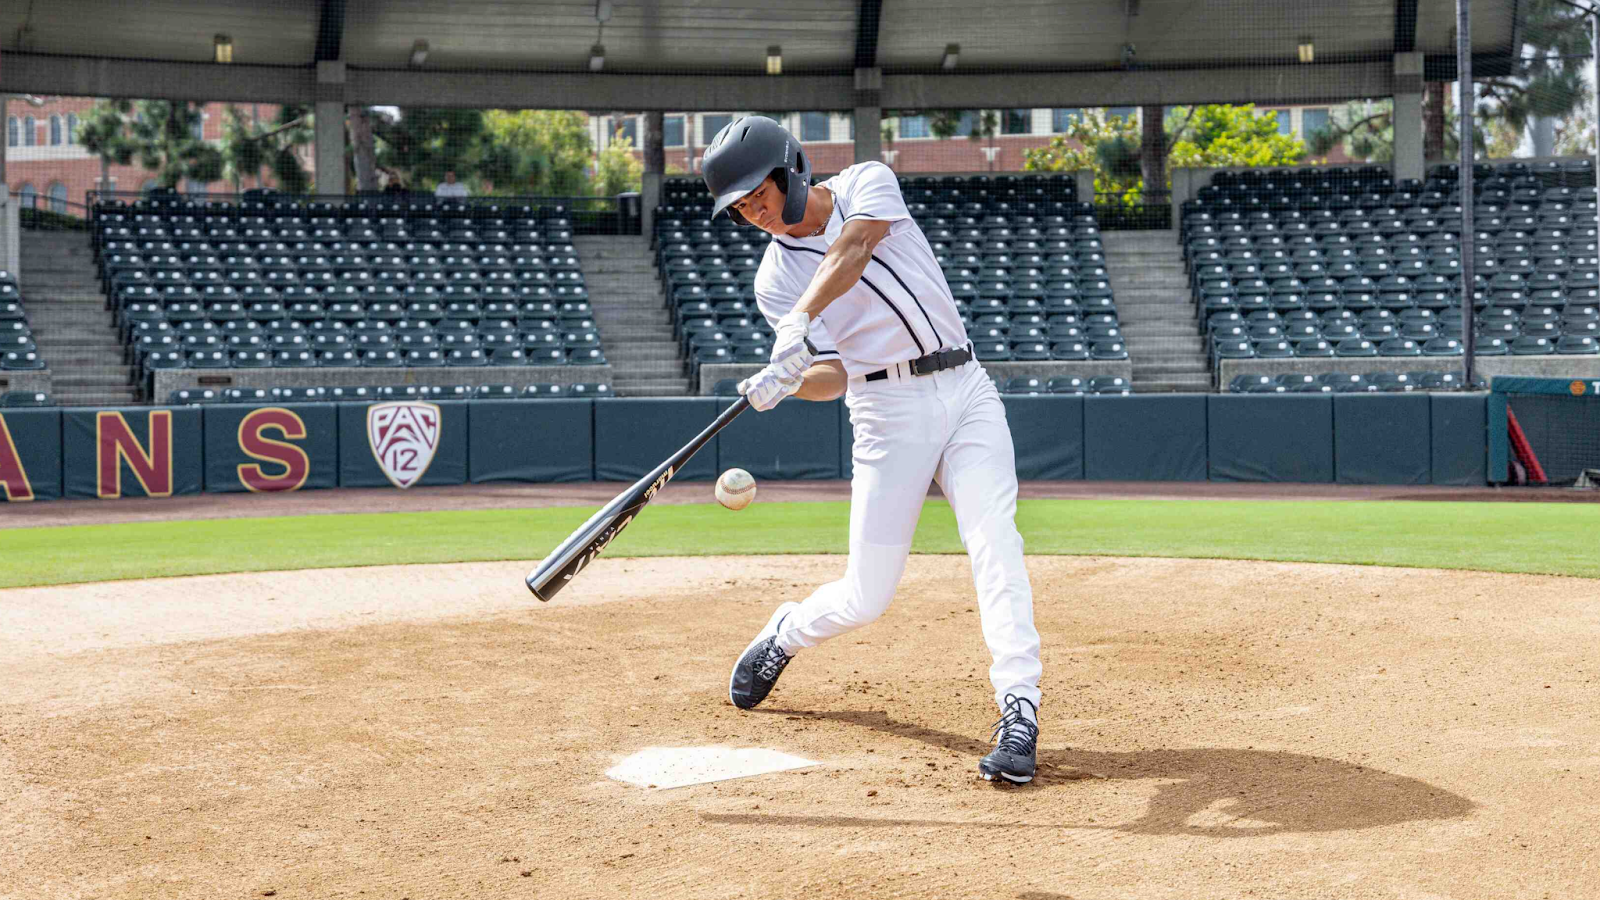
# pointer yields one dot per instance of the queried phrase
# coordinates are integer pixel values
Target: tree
(1365, 128)
(363, 151)
(163, 133)
(543, 152)
(419, 145)
(247, 147)
(104, 132)
(1550, 82)
(1114, 147)
(617, 171)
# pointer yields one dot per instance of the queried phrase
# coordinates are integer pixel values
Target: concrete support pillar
(868, 114)
(1085, 184)
(649, 199)
(1408, 87)
(330, 142)
(5, 143)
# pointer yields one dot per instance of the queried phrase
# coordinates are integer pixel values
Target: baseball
(736, 489)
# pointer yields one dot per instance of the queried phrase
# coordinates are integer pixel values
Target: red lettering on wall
(13, 477)
(256, 445)
(117, 443)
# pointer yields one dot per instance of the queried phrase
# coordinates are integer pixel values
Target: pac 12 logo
(403, 436)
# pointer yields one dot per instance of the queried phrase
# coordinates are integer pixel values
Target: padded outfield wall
(161, 452)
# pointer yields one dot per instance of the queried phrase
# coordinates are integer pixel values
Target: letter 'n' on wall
(115, 443)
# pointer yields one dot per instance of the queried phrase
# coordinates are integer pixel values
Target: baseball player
(861, 309)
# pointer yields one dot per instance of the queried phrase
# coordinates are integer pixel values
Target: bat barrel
(582, 546)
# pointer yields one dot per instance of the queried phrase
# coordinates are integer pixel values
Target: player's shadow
(1215, 791)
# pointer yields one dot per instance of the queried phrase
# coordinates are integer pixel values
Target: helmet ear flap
(797, 184)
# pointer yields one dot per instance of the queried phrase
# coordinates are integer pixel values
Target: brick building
(45, 160)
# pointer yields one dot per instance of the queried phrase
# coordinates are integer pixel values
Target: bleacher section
(1345, 265)
(21, 368)
(1022, 255)
(255, 293)
(1350, 383)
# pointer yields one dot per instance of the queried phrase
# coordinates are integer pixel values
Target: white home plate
(670, 767)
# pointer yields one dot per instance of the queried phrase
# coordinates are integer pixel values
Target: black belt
(937, 361)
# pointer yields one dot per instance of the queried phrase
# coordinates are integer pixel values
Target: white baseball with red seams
(735, 489)
(909, 430)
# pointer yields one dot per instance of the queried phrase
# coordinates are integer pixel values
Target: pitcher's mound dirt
(1211, 729)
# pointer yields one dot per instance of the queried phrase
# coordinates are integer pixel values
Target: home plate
(670, 767)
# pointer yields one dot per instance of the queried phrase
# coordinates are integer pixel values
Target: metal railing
(40, 212)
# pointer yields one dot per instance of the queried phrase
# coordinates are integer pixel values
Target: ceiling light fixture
(1308, 51)
(774, 60)
(222, 48)
(952, 52)
(419, 52)
(597, 57)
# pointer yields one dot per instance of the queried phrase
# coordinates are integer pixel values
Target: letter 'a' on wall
(131, 452)
(271, 448)
(30, 455)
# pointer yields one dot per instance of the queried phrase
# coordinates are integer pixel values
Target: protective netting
(1168, 196)
(1562, 434)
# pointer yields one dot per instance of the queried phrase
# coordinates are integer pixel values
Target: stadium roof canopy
(712, 54)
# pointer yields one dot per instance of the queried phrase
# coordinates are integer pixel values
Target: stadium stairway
(75, 332)
(1156, 312)
(630, 311)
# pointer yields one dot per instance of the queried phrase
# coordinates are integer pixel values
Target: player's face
(763, 207)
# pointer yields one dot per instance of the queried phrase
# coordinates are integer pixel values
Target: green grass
(1547, 538)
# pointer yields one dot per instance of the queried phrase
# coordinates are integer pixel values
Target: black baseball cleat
(1017, 739)
(761, 663)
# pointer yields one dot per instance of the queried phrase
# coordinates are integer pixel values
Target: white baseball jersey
(901, 308)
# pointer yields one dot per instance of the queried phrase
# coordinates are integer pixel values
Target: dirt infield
(523, 496)
(1212, 729)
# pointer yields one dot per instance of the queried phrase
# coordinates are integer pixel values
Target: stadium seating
(1347, 263)
(17, 349)
(1022, 256)
(277, 282)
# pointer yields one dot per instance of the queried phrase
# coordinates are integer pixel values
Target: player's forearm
(822, 382)
(839, 272)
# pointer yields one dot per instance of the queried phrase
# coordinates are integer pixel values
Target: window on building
(672, 131)
(1313, 121)
(72, 128)
(710, 125)
(30, 132)
(913, 126)
(626, 129)
(58, 198)
(26, 195)
(1126, 113)
(13, 131)
(55, 131)
(1016, 121)
(1063, 119)
(814, 126)
(967, 123)
(851, 118)
(1284, 125)
(191, 186)
(198, 127)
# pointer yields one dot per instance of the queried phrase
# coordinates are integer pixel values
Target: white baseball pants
(910, 430)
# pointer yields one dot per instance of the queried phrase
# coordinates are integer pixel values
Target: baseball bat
(583, 545)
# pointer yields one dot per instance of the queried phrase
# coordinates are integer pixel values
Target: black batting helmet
(744, 153)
